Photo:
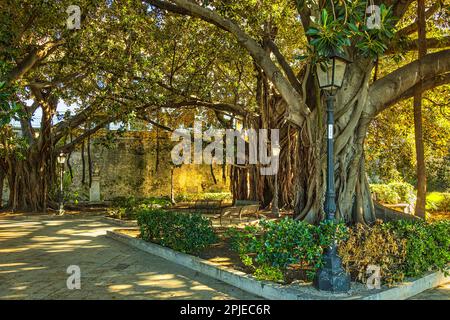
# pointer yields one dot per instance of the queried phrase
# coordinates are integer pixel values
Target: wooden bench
(239, 211)
(208, 206)
(249, 210)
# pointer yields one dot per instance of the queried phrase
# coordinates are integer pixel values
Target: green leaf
(353, 27)
(324, 17)
(312, 31)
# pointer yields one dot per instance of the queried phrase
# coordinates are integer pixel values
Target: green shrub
(269, 273)
(189, 233)
(404, 190)
(125, 207)
(438, 202)
(427, 245)
(400, 248)
(203, 196)
(273, 246)
(394, 192)
(385, 194)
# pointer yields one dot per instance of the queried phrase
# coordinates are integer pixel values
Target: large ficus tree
(125, 63)
(43, 63)
(367, 89)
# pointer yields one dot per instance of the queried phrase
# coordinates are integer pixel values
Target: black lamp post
(61, 160)
(331, 277)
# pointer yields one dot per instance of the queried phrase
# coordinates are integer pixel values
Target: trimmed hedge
(427, 245)
(203, 196)
(125, 207)
(188, 233)
(401, 249)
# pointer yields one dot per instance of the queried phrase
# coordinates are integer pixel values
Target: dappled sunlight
(46, 238)
(119, 287)
(157, 277)
(200, 287)
(12, 250)
(16, 231)
(39, 252)
(2, 265)
(221, 260)
(53, 223)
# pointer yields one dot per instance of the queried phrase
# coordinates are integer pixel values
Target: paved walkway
(35, 253)
(439, 293)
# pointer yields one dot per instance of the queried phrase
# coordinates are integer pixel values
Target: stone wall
(129, 168)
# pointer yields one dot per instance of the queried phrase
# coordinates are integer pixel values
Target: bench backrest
(205, 204)
(250, 209)
(239, 203)
(231, 210)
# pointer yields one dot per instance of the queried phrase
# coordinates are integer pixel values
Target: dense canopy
(230, 63)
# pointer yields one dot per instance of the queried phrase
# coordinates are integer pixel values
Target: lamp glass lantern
(61, 158)
(330, 72)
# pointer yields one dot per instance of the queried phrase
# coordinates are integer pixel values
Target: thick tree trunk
(420, 157)
(418, 127)
(29, 181)
(2, 181)
(302, 163)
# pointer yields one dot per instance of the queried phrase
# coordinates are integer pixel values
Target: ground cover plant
(401, 249)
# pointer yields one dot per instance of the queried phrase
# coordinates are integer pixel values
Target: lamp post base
(332, 277)
(61, 210)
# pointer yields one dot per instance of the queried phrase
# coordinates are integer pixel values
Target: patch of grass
(438, 202)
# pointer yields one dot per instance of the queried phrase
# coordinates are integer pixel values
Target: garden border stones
(270, 290)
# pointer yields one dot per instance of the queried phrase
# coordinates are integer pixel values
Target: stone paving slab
(35, 254)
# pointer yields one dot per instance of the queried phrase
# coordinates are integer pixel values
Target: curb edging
(122, 223)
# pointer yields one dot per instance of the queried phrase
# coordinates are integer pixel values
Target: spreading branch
(396, 85)
(69, 147)
(412, 45)
(262, 58)
(284, 65)
(30, 60)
